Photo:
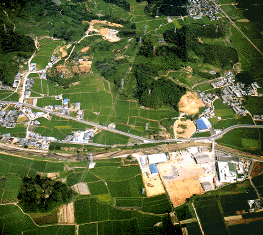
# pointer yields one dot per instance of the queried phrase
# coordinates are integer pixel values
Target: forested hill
(15, 47)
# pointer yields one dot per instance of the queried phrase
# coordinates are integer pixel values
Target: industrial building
(203, 124)
(157, 158)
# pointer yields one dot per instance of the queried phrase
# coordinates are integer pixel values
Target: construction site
(181, 174)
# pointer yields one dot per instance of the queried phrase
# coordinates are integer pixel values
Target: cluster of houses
(223, 81)
(81, 136)
(4, 87)
(17, 80)
(258, 117)
(232, 95)
(34, 140)
(64, 108)
(8, 117)
(29, 84)
(199, 8)
(207, 100)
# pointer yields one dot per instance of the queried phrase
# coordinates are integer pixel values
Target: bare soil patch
(105, 23)
(63, 51)
(241, 221)
(243, 21)
(66, 214)
(180, 190)
(190, 103)
(53, 175)
(22, 118)
(81, 188)
(153, 185)
(181, 179)
(83, 50)
(183, 129)
(257, 169)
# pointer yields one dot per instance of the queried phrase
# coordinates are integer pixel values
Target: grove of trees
(40, 194)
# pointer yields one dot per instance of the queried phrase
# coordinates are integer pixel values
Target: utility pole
(157, 12)
(140, 40)
(145, 29)
(122, 83)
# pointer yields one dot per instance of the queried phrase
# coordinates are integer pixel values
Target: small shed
(206, 186)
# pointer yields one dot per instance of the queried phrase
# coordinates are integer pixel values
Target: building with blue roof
(203, 124)
(153, 169)
(65, 101)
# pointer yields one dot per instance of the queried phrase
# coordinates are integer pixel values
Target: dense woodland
(166, 7)
(14, 49)
(40, 194)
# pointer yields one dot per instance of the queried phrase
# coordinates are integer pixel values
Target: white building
(227, 172)
(157, 158)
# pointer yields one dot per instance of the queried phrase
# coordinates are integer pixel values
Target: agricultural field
(223, 110)
(100, 105)
(158, 205)
(13, 169)
(245, 139)
(5, 95)
(43, 56)
(98, 213)
(213, 206)
(58, 127)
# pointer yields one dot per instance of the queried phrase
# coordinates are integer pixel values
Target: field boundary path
(198, 220)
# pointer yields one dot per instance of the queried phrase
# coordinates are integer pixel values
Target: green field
(100, 105)
(90, 210)
(244, 139)
(43, 56)
(13, 221)
(59, 127)
(223, 110)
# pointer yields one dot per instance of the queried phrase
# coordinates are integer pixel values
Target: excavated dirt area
(66, 214)
(181, 179)
(190, 103)
(53, 175)
(153, 185)
(64, 53)
(106, 23)
(183, 129)
(81, 188)
(84, 49)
